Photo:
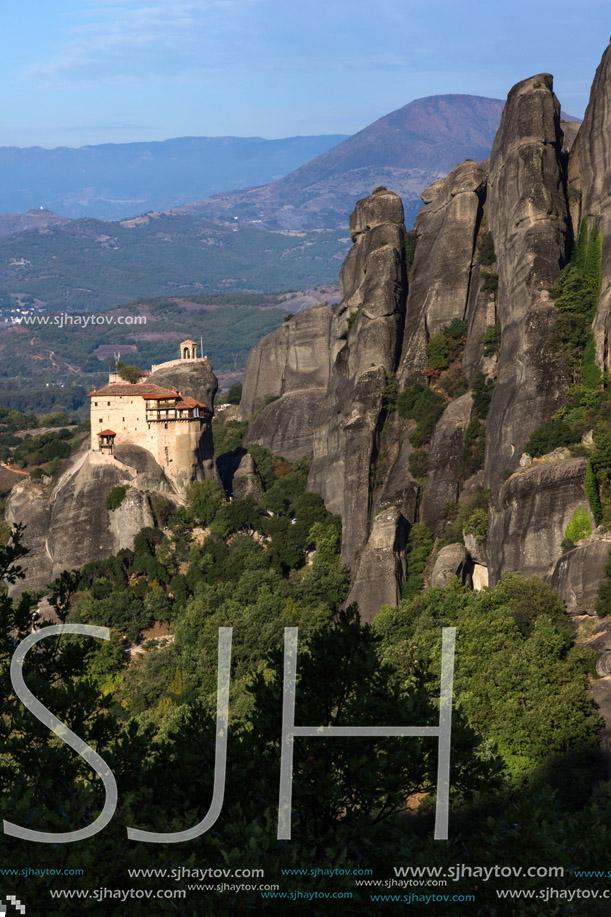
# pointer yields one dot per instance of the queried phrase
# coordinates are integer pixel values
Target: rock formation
(589, 175)
(334, 382)
(336, 406)
(528, 217)
(68, 523)
(530, 514)
(576, 575)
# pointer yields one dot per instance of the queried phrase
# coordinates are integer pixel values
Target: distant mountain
(290, 234)
(405, 150)
(116, 180)
(39, 218)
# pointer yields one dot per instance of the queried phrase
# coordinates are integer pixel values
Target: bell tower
(188, 350)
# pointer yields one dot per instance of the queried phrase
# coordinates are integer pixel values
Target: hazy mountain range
(116, 180)
(287, 234)
(405, 150)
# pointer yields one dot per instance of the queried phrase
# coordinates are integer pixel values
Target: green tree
(204, 500)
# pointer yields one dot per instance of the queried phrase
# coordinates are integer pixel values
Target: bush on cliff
(423, 405)
(116, 496)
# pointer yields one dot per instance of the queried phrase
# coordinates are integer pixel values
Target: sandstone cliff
(529, 221)
(335, 405)
(68, 524)
(589, 175)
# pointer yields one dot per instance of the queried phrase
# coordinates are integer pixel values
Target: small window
(95, 403)
(101, 420)
(108, 403)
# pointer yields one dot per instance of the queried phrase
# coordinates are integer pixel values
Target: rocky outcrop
(68, 525)
(295, 357)
(290, 365)
(381, 569)
(444, 265)
(529, 519)
(286, 426)
(246, 481)
(453, 560)
(366, 338)
(589, 185)
(442, 484)
(528, 216)
(195, 379)
(577, 574)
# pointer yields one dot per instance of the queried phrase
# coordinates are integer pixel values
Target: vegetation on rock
(578, 528)
(116, 496)
(575, 294)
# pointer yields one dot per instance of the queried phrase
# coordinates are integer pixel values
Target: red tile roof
(190, 403)
(146, 389)
(107, 433)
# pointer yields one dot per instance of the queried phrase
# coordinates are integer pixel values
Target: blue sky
(95, 71)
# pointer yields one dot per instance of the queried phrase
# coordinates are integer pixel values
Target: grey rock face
(529, 222)
(533, 510)
(452, 560)
(590, 177)
(443, 270)
(379, 208)
(444, 461)
(69, 525)
(348, 425)
(382, 565)
(286, 426)
(246, 481)
(576, 575)
(150, 475)
(196, 380)
(295, 357)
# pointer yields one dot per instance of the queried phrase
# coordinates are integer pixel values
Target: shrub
(487, 254)
(129, 373)
(477, 525)
(410, 249)
(237, 516)
(418, 463)
(438, 352)
(491, 339)
(482, 389)
(470, 516)
(423, 405)
(579, 527)
(603, 596)
(227, 435)
(204, 500)
(591, 490)
(351, 321)
(555, 434)
(419, 547)
(490, 282)
(575, 295)
(474, 447)
(454, 382)
(116, 496)
(234, 393)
